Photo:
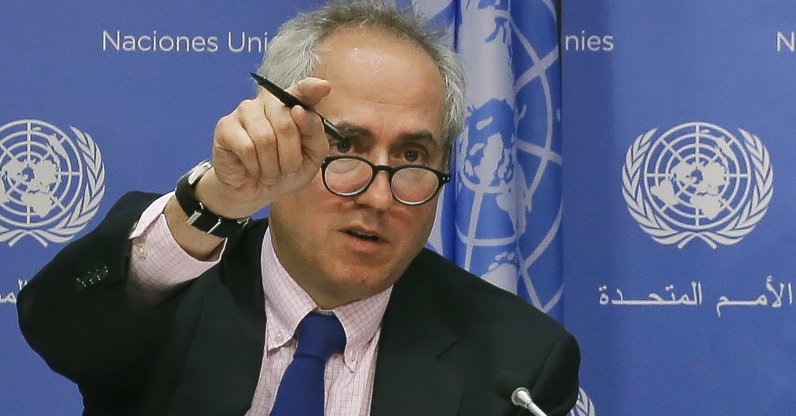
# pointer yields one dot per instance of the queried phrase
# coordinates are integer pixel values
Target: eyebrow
(355, 131)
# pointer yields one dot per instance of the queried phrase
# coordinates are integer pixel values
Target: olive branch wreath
(732, 232)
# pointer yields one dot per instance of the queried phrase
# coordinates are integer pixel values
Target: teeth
(359, 234)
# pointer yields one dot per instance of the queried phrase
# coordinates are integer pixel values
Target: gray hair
(293, 53)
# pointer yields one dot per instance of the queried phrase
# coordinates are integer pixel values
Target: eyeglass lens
(409, 184)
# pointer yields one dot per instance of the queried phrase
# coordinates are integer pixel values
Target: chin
(362, 282)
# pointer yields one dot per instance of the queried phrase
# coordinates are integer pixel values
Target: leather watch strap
(198, 215)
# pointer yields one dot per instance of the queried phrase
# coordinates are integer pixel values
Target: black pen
(289, 100)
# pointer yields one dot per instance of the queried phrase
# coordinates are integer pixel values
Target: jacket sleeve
(556, 388)
(75, 312)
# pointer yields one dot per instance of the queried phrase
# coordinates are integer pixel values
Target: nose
(378, 194)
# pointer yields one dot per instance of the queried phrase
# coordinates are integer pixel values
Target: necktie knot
(320, 336)
(301, 391)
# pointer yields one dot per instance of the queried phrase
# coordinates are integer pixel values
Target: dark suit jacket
(445, 336)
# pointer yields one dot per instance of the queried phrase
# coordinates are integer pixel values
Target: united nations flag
(501, 219)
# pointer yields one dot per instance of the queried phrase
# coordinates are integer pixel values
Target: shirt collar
(286, 304)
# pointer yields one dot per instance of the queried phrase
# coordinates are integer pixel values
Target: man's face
(386, 96)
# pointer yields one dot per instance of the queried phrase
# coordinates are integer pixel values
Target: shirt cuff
(157, 262)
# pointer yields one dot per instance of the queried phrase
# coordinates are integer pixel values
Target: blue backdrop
(126, 93)
(678, 127)
(666, 251)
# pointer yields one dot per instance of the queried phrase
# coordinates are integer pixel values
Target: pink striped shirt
(159, 265)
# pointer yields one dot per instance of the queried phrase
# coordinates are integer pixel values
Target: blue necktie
(301, 390)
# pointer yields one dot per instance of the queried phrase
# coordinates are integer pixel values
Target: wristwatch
(199, 216)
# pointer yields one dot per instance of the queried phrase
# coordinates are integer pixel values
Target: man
(197, 311)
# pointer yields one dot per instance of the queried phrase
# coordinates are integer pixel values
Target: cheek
(419, 223)
(306, 209)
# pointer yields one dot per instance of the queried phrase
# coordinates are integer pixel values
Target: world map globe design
(501, 217)
(697, 175)
(39, 173)
(31, 183)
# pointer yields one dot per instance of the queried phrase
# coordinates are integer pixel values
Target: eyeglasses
(409, 184)
(351, 176)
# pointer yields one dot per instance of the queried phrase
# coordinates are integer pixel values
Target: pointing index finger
(290, 100)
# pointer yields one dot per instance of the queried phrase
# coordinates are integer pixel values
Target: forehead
(376, 73)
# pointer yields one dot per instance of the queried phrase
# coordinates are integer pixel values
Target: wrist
(224, 199)
(206, 218)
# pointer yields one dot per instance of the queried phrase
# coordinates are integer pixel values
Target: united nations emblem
(697, 180)
(51, 184)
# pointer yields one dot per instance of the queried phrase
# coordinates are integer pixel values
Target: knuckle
(262, 134)
(225, 122)
(246, 105)
(247, 147)
(284, 126)
(291, 167)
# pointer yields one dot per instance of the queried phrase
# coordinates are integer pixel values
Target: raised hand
(264, 150)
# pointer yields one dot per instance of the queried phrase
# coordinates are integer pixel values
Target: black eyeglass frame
(442, 177)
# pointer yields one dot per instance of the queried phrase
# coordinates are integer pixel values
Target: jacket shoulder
(476, 301)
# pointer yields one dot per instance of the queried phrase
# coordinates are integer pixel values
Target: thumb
(310, 90)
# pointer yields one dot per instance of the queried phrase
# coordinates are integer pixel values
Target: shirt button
(140, 251)
(279, 336)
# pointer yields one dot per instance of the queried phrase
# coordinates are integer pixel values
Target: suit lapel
(411, 378)
(223, 365)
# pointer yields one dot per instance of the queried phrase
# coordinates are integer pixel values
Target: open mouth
(362, 235)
